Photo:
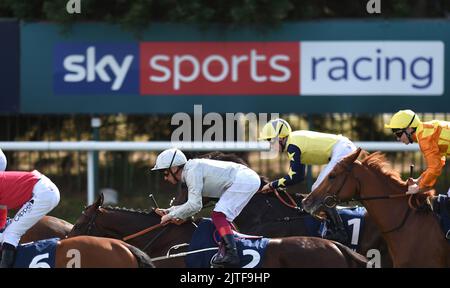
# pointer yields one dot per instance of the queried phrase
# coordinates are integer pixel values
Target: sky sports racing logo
(310, 68)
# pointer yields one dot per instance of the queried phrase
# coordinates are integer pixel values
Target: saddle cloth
(251, 250)
(353, 219)
(39, 254)
(441, 205)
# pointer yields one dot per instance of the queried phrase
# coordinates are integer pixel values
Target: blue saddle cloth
(251, 251)
(443, 215)
(353, 219)
(39, 254)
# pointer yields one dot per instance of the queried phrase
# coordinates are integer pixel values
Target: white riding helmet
(169, 158)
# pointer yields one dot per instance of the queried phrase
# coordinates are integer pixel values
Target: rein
(359, 198)
(292, 205)
(142, 232)
(91, 225)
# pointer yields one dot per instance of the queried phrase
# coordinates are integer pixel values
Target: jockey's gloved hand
(161, 212)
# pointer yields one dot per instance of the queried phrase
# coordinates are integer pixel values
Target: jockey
(308, 147)
(234, 184)
(35, 195)
(433, 138)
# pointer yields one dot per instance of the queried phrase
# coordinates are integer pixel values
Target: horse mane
(377, 162)
(129, 210)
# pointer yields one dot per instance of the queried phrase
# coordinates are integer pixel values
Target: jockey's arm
(296, 170)
(194, 183)
(435, 162)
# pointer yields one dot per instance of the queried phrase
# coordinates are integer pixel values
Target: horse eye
(331, 176)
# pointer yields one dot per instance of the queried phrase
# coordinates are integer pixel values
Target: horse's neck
(125, 223)
(399, 224)
(174, 235)
(386, 213)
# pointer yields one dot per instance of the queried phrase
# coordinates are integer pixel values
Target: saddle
(251, 249)
(38, 254)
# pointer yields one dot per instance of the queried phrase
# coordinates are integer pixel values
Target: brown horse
(414, 237)
(267, 216)
(45, 228)
(281, 252)
(97, 252)
(85, 251)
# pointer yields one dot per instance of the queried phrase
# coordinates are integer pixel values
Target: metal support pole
(309, 178)
(95, 124)
(90, 178)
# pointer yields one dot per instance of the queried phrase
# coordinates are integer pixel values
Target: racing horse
(45, 228)
(142, 229)
(414, 236)
(93, 252)
(271, 216)
(267, 215)
(97, 252)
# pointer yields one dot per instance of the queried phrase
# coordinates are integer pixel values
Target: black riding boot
(229, 258)
(338, 232)
(8, 255)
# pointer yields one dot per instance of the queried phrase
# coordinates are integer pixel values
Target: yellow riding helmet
(403, 119)
(275, 128)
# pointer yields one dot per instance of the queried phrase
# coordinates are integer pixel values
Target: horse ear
(350, 158)
(99, 201)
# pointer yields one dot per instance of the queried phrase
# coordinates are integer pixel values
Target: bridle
(330, 201)
(91, 222)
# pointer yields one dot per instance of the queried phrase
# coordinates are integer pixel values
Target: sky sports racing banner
(302, 67)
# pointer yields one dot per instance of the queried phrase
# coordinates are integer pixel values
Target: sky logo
(99, 68)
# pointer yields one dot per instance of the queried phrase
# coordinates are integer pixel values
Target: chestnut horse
(281, 252)
(97, 252)
(414, 237)
(45, 228)
(93, 252)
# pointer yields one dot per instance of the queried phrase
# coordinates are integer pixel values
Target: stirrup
(214, 264)
(447, 235)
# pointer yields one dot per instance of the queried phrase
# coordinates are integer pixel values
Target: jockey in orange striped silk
(434, 142)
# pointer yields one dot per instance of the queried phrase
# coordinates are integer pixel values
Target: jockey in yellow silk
(310, 148)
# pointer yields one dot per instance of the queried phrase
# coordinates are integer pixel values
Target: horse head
(339, 185)
(96, 220)
(86, 223)
(139, 228)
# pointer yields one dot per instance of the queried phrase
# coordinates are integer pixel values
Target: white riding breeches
(341, 149)
(3, 161)
(234, 199)
(45, 197)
